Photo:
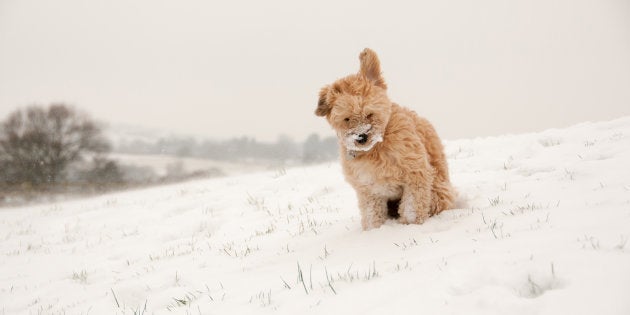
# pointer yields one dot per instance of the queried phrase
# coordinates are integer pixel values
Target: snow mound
(543, 229)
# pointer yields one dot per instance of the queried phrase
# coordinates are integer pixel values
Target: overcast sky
(230, 68)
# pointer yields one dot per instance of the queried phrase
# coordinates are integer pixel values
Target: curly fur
(390, 155)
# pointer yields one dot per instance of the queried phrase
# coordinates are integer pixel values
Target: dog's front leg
(415, 204)
(373, 210)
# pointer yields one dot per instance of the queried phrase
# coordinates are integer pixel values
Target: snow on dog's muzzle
(361, 138)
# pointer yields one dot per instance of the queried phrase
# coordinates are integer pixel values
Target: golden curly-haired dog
(392, 157)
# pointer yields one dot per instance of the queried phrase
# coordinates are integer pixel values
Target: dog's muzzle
(361, 139)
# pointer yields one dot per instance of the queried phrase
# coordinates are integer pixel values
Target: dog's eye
(369, 116)
(346, 119)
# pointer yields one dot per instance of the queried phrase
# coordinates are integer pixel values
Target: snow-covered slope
(543, 228)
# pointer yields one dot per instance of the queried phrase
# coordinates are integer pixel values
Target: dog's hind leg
(443, 196)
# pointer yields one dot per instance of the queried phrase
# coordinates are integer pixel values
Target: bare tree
(37, 144)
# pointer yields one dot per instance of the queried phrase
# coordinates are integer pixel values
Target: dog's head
(357, 106)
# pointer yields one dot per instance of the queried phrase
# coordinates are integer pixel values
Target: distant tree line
(283, 150)
(60, 149)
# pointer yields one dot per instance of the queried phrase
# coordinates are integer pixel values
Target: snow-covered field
(160, 164)
(543, 229)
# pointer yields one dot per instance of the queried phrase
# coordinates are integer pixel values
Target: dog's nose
(362, 138)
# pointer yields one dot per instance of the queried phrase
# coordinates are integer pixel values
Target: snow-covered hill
(543, 228)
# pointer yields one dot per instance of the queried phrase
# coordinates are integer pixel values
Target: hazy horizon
(224, 70)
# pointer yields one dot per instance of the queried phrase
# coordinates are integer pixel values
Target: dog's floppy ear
(323, 108)
(371, 67)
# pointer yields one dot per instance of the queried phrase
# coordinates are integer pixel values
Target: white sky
(231, 68)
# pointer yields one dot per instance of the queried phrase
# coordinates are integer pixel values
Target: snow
(543, 228)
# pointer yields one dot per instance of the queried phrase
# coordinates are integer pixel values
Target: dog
(392, 157)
